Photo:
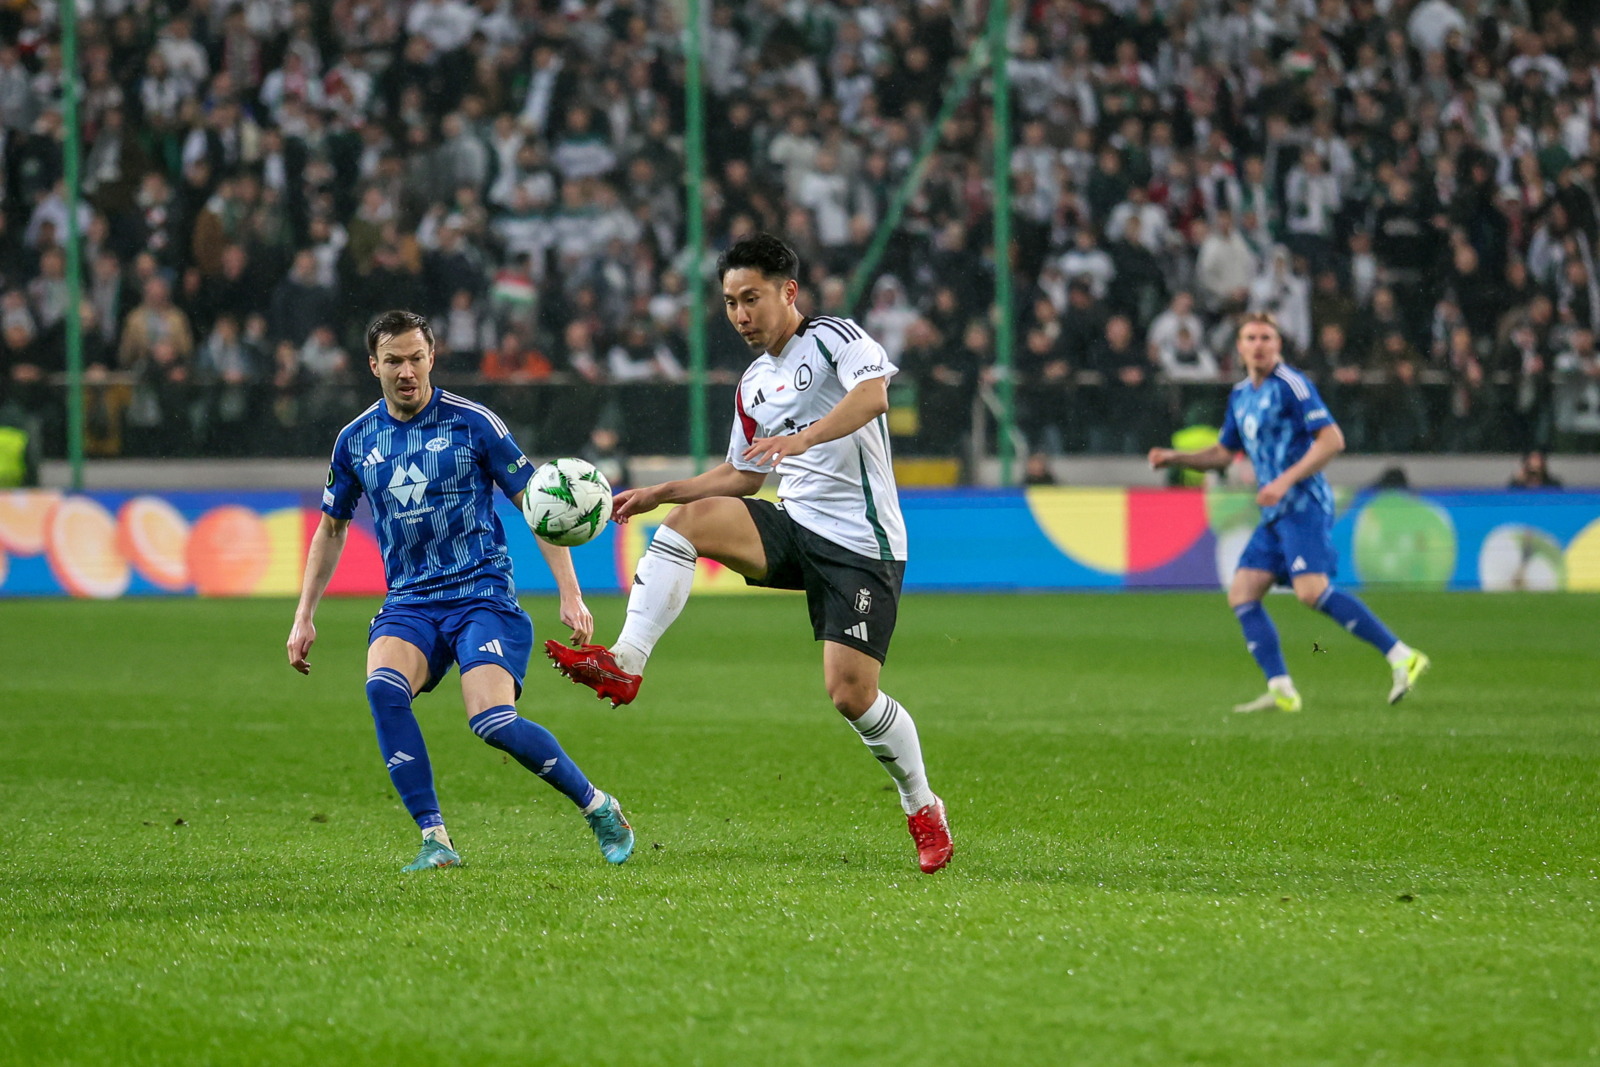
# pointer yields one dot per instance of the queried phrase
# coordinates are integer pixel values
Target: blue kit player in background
(428, 462)
(1278, 419)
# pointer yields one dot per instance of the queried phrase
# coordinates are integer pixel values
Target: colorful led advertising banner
(221, 544)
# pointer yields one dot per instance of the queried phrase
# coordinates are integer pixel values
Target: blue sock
(400, 745)
(1261, 638)
(1357, 618)
(535, 748)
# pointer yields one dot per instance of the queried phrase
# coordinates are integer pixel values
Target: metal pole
(999, 65)
(694, 149)
(69, 114)
(862, 275)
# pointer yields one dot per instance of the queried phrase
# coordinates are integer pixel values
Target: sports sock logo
(373, 458)
(549, 764)
(858, 631)
(408, 484)
(492, 646)
(398, 758)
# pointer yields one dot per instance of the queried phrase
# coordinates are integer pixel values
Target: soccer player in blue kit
(1279, 420)
(428, 462)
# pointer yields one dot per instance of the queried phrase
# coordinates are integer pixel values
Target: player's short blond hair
(1262, 318)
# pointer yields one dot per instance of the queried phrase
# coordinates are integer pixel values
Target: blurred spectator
(1226, 265)
(1177, 345)
(300, 303)
(1141, 287)
(604, 450)
(580, 353)
(1283, 291)
(1402, 410)
(1036, 471)
(465, 334)
(155, 321)
(1534, 473)
(639, 355)
(946, 386)
(1577, 394)
(290, 383)
(228, 367)
(1125, 371)
(158, 418)
(1337, 366)
(1087, 260)
(1473, 414)
(514, 359)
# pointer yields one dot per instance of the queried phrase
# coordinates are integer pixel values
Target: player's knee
(851, 696)
(688, 520)
(1310, 593)
(1238, 598)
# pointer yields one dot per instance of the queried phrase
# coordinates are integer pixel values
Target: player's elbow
(333, 529)
(875, 396)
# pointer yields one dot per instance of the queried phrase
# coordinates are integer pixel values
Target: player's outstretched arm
(860, 406)
(722, 480)
(574, 613)
(327, 545)
(1215, 458)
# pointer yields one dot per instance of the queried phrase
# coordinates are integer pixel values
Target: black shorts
(853, 598)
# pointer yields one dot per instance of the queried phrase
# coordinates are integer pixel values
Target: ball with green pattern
(567, 502)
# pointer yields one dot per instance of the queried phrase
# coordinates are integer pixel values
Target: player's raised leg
(489, 692)
(890, 734)
(718, 528)
(1406, 664)
(1261, 638)
(396, 670)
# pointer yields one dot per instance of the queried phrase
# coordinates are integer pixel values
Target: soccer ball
(567, 502)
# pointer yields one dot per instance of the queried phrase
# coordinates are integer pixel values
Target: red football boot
(931, 832)
(594, 666)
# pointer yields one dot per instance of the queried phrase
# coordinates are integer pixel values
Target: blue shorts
(1294, 543)
(467, 632)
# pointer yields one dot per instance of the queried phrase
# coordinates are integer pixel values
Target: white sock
(439, 834)
(595, 802)
(1281, 684)
(889, 732)
(1398, 655)
(660, 589)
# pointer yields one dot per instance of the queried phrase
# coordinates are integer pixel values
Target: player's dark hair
(393, 324)
(762, 252)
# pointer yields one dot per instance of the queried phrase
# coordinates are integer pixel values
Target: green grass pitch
(201, 850)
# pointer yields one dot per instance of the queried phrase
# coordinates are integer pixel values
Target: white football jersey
(844, 489)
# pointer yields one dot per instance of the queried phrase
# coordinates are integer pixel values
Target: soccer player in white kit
(811, 407)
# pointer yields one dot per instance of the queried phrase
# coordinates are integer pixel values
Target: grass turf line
(1140, 876)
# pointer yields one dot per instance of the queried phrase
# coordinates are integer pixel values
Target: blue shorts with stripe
(469, 633)
(1292, 544)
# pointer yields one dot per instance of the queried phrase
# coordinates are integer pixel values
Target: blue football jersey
(430, 483)
(1275, 423)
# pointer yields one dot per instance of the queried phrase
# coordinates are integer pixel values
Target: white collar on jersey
(794, 339)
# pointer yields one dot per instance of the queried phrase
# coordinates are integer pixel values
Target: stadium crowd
(1410, 187)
